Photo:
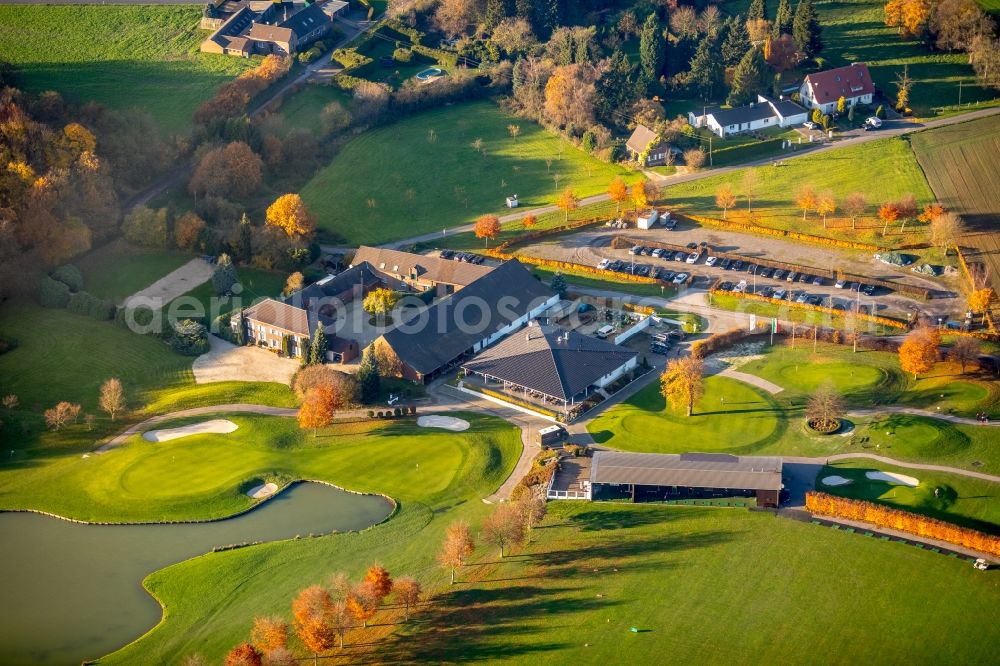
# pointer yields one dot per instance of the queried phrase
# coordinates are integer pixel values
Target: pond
(73, 592)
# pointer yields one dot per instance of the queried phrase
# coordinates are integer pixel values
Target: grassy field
(302, 110)
(769, 310)
(855, 31)
(959, 499)
(882, 170)
(118, 269)
(120, 56)
(257, 284)
(423, 174)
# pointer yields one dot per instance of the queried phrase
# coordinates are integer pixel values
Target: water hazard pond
(72, 592)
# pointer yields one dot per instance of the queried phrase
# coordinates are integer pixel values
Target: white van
(605, 331)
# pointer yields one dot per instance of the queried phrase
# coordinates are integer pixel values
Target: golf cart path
(803, 460)
(753, 380)
(893, 129)
(913, 411)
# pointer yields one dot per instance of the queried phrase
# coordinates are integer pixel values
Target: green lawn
(992, 6)
(118, 270)
(882, 170)
(732, 417)
(302, 110)
(120, 56)
(256, 284)
(959, 499)
(422, 174)
(765, 310)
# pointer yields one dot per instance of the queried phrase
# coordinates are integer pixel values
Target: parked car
(765, 272)
(447, 254)
(737, 265)
(725, 264)
(658, 348)
(838, 306)
(670, 224)
(680, 256)
(766, 291)
(818, 281)
(692, 246)
(636, 250)
(792, 277)
(806, 278)
(726, 286)
(710, 261)
(814, 299)
(680, 278)
(647, 251)
(868, 289)
(780, 294)
(666, 275)
(603, 264)
(741, 287)
(803, 297)
(809, 125)
(478, 259)
(693, 257)
(642, 270)
(675, 335)
(840, 284)
(615, 265)
(658, 252)
(778, 274)
(752, 269)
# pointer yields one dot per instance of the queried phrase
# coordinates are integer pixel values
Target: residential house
(419, 273)
(282, 28)
(560, 365)
(646, 148)
(766, 112)
(468, 321)
(822, 90)
(653, 477)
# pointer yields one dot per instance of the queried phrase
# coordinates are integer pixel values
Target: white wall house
(823, 90)
(516, 324)
(647, 219)
(610, 377)
(759, 115)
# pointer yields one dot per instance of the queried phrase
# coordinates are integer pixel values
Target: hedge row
(719, 341)
(54, 293)
(581, 268)
(782, 233)
(531, 236)
(904, 521)
(875, 319)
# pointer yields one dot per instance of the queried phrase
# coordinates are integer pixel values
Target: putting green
(804, 373)
(732, 417)
(907, 436)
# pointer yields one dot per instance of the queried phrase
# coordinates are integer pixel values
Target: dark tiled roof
(742, 114)
(358, 277)
(281, 315)
(432, 269)
(446, 330)
(784, 107)
(550, 360)
(687, 470)
(851, 81)
(641, 137)
(305, 21)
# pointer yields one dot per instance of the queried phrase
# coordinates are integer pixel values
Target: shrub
(52, 293)
(190, 338)
(70, 276)
(313, 376)
(397, 412)
(79, 303)
(402, 55)
(350, 58)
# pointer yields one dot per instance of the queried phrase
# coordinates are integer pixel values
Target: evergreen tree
(706, 68)
(806, 29)
(244, 240)
(616, 88)
(306, 352)
(368, 377)
(748, 78)
(240, 334)
(286, 346)
(651, 49)
(737, 42)
(547, 17)
(525, 9)
(224, 276)
(757, 10)
(558, 285)
(317, 350)
(783, 19)
(496, 11)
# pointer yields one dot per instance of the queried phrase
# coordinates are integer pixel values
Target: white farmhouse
(822, 90)
(762, 114)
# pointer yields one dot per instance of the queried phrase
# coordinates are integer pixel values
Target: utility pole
(960, 92)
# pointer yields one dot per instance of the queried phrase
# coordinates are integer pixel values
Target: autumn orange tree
(888, 213)
(910, 17)
(406, 591)
(528, 221)
(725, 198)
(567, 202)
(504, 527)
(380, 579)
(244, 654)
(920, 351)
(487, 226)
(233, 170)
(980, 299)
(363, 602)
(187, 230)
(313, 611)
(618, 191)
(269, 634)
(805, 199)
(682, 383)
(289, 213)
(317, 409)
(457, 548)
(825, 204)
(638, 194)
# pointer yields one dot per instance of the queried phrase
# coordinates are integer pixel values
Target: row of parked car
(669, 255)
(643, 270)
(662, 342)
(467, 257)
(792, 295)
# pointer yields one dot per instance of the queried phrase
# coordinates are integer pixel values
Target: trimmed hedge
(875, 319)
(70, 276)
(878, 514)
(782, 233)
(53, 293)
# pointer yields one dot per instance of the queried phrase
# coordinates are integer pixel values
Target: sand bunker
(222, 426)
(446, 422)
(892, 477)
(260, 492)
(835, 481)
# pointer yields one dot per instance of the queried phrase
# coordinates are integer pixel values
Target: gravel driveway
(226, 362)
(176, 283)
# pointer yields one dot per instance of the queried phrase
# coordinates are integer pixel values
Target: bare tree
(407, 592)
(504, 527)
(946, 230)
(532, 510)
(750, 181)
(964, 350)
(112, 398)
(458, 546)
(825, 408)
(854, 206)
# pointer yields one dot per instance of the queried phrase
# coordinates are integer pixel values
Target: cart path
(753, 380)
(963, 420)
(803, 460)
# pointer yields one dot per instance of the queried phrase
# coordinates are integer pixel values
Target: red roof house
(822, 89)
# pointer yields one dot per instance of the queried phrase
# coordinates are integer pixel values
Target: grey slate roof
(742, 114)
(784, 107)
(446, 330)
(692, 470)
(305, 21)
(434, 269)
(548, 359)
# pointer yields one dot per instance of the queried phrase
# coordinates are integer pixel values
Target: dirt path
(176, 283)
